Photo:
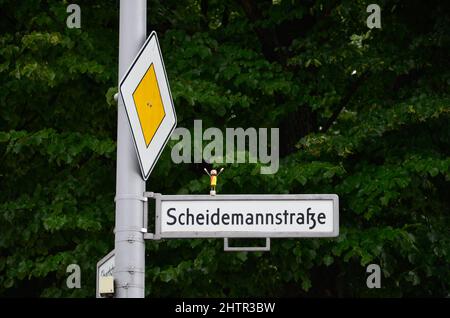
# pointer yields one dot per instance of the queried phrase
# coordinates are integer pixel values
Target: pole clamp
(130, 197)
(131, 270)
(129, 229)
(128, 285)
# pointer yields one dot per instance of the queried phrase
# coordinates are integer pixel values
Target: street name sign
(227, 216)
(105, 268)
(148, 102)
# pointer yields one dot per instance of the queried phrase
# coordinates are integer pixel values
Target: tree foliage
(362, 113)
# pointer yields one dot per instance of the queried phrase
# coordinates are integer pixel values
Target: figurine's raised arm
(221, 170)
(207, 172)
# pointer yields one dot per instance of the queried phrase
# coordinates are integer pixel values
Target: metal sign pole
(129, 238)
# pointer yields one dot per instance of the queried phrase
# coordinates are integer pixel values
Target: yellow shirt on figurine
(213, 180)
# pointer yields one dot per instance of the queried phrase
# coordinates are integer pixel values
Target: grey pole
(129, 270)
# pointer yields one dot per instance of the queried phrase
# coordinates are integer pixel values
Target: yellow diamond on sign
(149, 105)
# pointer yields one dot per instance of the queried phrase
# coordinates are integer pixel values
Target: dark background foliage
(379, 139)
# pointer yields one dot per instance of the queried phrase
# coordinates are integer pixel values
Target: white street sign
(190, 216)
(105, 267)
(148, 102)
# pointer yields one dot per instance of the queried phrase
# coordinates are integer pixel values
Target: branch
(344, 101)
(225, 15)
(204, 9)
(267, 37)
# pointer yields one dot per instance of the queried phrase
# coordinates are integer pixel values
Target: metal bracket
(149, 236)
(130, 197)
(127, 229)
(145, 219)
(228, 248)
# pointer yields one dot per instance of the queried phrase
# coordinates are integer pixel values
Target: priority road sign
(148, 102)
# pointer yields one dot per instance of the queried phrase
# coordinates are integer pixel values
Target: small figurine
(213, 179)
